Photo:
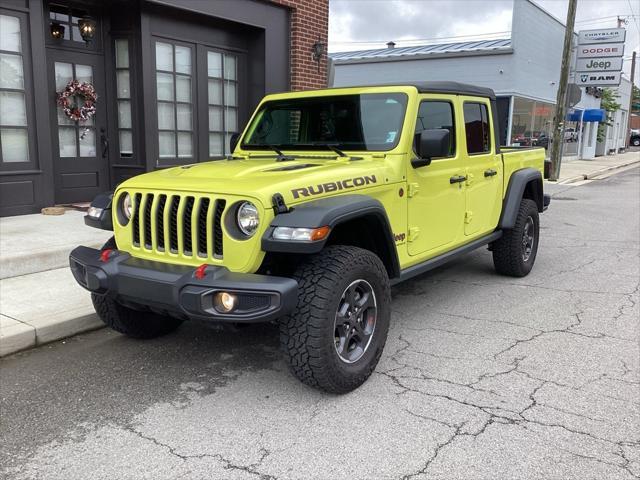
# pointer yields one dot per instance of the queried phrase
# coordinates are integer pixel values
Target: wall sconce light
(317, 50)
(57, 30)
(87, 26)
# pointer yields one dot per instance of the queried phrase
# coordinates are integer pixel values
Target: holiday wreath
(83, 109)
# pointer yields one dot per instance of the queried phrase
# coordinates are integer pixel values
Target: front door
(80, 149)
(436, 202)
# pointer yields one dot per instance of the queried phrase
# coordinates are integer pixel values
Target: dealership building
(174, 79)
(523, 70)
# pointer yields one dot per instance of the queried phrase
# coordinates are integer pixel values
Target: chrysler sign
(599, 64)
(604, 35)
(609, 50)
(597, 79)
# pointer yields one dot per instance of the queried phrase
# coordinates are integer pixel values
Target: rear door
(483, 168)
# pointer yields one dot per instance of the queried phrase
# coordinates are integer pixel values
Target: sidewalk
(39, 299)
(572, 171)
(41, 302)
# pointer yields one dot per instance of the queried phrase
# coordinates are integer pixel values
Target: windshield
(347, 122)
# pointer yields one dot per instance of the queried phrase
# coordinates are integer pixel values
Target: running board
(436, 262)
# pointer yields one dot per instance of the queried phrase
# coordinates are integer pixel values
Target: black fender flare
(105, 220)
(515, 192)
(331, 212)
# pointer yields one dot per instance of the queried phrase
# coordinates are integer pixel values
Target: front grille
(178, 224)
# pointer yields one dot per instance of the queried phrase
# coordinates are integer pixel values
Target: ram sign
(599, 64)
(603, 35)
(598, 79)
(609, 50)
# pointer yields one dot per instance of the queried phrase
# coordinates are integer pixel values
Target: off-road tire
(508, 250)
(133, 323)
(307, 335)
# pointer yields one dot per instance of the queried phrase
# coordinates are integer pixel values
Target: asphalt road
(483, 377)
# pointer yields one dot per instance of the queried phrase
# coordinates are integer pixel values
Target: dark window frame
(453, 123)
(132, 103)
(25, 53)
(487, 110)
(162, 162)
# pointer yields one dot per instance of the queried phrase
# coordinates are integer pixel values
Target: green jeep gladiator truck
(329, 198)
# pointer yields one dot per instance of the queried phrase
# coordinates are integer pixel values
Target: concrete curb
(596, 173)
(37, 261)
(63, 309)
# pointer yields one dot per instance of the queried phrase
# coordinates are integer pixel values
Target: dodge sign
(609, 50)
(598, 79)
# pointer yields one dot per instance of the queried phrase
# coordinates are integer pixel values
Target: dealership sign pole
(561, 98)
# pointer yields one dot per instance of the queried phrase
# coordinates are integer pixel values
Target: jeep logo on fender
(333, 186)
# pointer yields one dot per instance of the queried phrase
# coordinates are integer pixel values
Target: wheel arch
(355, 220)
(524, 183)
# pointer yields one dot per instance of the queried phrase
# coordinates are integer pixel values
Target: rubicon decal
(333, 186)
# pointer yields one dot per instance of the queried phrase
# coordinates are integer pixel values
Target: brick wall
(309, 21)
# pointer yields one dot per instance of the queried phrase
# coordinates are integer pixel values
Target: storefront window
(123, 95)
(14, 137)
(223, 107)
(174, 95)
(531, 123)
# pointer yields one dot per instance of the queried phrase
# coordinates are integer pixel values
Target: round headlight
(248, 219)
(127, 206)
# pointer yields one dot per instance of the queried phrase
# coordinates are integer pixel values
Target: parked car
(330, 197)
(570, 135)
(635, 139)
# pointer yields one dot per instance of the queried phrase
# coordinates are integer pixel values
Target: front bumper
(175, 290)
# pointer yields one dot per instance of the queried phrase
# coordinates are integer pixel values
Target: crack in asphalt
(226, 463)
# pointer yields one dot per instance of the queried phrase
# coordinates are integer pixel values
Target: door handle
(457, 179)
(104, 142)
(490, 173)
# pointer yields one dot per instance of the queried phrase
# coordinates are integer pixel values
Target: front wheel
(335, 337)
(515, 252)
(133, 323)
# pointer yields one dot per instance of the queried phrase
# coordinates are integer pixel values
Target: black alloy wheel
(355, 321)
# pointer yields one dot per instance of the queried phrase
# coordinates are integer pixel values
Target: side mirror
(233, 142)
(432, 143)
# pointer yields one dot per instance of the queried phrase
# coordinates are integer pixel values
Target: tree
(610, 106)
(635, 100)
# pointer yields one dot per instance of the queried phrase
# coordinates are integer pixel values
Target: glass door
(80, 148)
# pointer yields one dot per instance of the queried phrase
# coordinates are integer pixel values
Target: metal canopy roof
(482, 47)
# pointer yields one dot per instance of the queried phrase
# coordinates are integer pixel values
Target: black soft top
(455, 88)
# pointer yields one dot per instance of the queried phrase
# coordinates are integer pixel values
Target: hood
(296, 180)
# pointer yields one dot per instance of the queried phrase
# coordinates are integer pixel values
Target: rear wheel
(335, 337)
(515, 252)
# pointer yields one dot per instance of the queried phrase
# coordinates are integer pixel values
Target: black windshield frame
(324, 109)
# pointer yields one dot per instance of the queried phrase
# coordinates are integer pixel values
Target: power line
(633, 16)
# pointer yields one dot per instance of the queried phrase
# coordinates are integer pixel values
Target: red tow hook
(105, 254)
(200, 271)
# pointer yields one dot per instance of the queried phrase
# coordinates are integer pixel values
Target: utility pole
(561, 98)
(633, 74)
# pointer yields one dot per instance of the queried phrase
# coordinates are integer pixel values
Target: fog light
(225, 302)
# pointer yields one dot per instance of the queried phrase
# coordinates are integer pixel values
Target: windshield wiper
(276, 148)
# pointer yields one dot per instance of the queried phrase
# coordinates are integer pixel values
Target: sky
(364, 24)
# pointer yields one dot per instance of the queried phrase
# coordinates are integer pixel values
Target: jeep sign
(599, 64)
(593, 51)
(598, 79)
(603, 35)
